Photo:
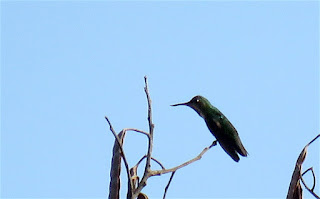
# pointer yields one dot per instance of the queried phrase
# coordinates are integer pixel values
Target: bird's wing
(232, 134)
(217, 128)
(227, 136)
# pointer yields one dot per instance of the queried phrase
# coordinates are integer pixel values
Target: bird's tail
(241, 150)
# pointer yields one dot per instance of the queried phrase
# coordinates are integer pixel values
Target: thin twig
(314, 183)
(157, 161)
(122, 152)
(138, 163)
(313, 140)
(137, 130)
(166, 189)
(313, 175)
(198, 157)
(145, 177)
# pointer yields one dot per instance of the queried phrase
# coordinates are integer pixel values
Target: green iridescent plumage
(219, 126)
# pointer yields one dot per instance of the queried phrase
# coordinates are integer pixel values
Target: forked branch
(134, 185)
(295, 189)
(314, 182)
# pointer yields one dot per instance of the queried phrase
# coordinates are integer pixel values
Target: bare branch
(137, 130)
(314, 182)
(151, 127)
(295, 186)
(122, 152)
(135, 177)
(173, 170)
(313, 140)
(198, 157)
(314, 178)
(134, 185)
(114, 187)
(313, 175)
(138, 163)
(146, 89)
(143, 181)
(166, 189)
(159, 163)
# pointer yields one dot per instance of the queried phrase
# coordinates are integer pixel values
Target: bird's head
(197, 103)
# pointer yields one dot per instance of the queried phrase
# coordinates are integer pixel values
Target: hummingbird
(221, 128)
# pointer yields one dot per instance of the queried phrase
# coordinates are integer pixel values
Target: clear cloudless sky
(67, 64)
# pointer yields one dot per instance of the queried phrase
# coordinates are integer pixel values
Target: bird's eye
(197, 100)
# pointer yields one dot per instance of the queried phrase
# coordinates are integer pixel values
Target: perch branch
(134, 191)
(122, 152)
(166, 189)
(198, 157)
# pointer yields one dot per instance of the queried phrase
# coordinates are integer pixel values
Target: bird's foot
(214, 143)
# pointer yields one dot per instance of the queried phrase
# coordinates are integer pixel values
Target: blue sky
(65, 65)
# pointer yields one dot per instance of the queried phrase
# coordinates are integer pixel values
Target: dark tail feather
(230, 151)
(241, 150)
(234, 156)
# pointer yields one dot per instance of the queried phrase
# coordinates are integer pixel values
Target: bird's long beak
(186, 104)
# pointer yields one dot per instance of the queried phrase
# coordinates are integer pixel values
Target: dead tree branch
(166, 189)
(134, 185)
(313, 175)
(151, 127)
(295, 189)
(122, 152)
(314, 183)
(114, 186)
(145, 177)
(137, 130)
(157, 161)
(198, 157)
